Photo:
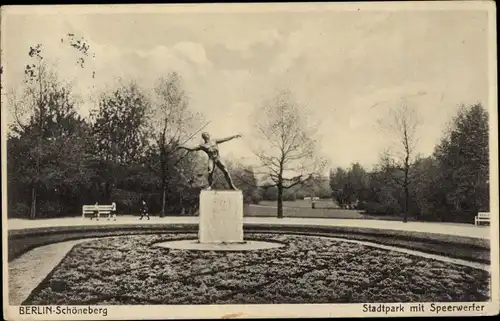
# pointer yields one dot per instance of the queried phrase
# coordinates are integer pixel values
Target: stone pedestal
(221, 217)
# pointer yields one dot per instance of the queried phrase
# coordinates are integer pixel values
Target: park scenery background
(59, 161)
(76, 135)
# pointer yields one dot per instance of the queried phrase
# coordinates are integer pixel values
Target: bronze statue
(211, 148)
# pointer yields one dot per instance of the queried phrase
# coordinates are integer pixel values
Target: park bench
(101, 210)
(482, 217)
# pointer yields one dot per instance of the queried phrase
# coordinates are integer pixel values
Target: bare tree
(401, 126)
(172, 125)
(287, 151)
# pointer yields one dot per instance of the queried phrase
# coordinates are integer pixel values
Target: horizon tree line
(452, 184)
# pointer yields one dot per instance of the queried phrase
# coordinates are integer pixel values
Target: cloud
(254, 52)
(244, 44)
(347, 67)
(195, 52)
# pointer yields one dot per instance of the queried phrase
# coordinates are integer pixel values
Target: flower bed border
(460, 247)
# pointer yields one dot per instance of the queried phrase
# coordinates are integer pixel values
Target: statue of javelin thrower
(211, 148)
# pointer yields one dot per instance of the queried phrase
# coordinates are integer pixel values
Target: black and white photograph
(249, 160)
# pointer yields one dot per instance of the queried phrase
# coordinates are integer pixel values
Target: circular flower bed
(309, 269)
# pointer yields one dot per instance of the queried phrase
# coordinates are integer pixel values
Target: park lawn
(304, 212)
(269, 210)
(309, 269)
(322, 203)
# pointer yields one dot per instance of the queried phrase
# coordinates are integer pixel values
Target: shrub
(19, 210)
(381, 209)
(255, 198)
(51, 209)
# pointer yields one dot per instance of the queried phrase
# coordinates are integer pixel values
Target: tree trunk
(407, 194)
(164, 168)
(407, 198)
(163, 198)
(280, 201)
(33, 203)
(107, 192)
(37, 181)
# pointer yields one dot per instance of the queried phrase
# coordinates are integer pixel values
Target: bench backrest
(87, 208)
(483, 214)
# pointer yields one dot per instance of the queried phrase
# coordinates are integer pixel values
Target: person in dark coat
(144, 210)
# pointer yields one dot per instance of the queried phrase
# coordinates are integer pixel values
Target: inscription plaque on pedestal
(221, 217)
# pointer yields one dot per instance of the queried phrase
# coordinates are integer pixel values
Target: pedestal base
(221, 217)
(194, 245)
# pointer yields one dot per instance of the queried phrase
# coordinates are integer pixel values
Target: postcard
(266, 160)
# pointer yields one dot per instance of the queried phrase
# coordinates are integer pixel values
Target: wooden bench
(482, 217)
(101, 210)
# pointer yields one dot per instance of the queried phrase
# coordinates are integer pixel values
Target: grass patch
(323, 203)
(309, 269)
(324, 209)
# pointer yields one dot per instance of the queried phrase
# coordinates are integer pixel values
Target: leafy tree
(269, 193)
(318, 186)
(44, 102)
(427, 193)
(119, 131)
(46, 149)
(349, 185)
(463, 157)
(338, 180)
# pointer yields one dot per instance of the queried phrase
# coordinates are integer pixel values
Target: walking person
(113, 212)
(144, 209)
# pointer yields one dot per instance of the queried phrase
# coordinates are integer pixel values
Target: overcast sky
(348, 67)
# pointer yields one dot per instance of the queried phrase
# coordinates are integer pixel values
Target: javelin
(189, 138)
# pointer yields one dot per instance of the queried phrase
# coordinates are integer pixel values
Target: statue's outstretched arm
(189, 149)
(223, 140)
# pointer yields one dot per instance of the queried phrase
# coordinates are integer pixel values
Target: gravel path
(470, 230)
(28, 270)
